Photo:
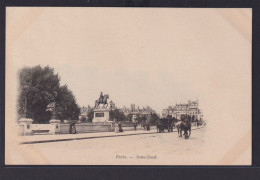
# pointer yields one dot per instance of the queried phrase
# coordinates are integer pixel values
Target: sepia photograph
(128, 86)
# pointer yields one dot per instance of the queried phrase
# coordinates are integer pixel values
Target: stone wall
(64, 128)
(127, 124)
(40, 126)
(21, 129)
(86, 127)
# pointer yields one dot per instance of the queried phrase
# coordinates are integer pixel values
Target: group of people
(118, 127)
(146, 126)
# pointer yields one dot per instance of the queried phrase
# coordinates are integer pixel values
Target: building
(112, 105)
(145, 111)
(191, 108)
(132, 107)
(84, 111)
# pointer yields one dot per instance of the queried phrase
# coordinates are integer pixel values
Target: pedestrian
(116, 128)
(120, 127)
(73, 128)
(148, 127)
(135, 124)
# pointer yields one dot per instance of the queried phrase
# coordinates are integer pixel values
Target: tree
(90, 115)
(83, 119)
(138, 118)
(154, 118)
(129, 117)
(66, 105)
(143, 118)
(43, 88)
(117, 115)
(41, 83)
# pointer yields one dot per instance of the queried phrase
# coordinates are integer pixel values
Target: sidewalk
(69, 137)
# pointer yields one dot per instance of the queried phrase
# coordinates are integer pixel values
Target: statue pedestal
(101, 115)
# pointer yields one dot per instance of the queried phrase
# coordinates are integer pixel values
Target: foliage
(83, 119)
(154, 118)
(90, 115)
(129, 117)
(138, 118)
(67, 107)
(41, 87)
(143, 118)
(117, 115)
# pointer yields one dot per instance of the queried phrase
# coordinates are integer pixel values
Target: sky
(148, 57)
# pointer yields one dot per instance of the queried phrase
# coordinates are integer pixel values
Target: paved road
(159, 148)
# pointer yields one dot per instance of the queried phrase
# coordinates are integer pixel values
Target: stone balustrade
(55, 127)
(25, 124)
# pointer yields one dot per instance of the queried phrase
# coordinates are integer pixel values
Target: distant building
(191, 108)
(84, 111)
(146, 111)
(112, 105)
(132, 107)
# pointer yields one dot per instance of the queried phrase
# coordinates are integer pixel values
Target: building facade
(112, 105)
(191, 108)
(145, 111)
(84, 111)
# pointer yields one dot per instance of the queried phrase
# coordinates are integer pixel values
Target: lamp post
(24, 121)
(25, 89)
(55, 124)
(54, 115)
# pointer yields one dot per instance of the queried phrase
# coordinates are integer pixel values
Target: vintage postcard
(128, 86)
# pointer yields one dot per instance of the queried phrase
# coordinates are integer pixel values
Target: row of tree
(38, 88)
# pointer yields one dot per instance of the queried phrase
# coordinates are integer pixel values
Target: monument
(101, 114)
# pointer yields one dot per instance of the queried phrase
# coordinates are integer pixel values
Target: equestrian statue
(102, 100)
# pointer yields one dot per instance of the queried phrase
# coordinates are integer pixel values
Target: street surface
(146, 149)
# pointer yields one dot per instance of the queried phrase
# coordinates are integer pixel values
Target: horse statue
(102, 100)
(184, 126)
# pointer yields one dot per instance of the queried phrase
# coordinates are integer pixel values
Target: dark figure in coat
(135, 125)
(148, 127)
(120, 127)
(73, 128)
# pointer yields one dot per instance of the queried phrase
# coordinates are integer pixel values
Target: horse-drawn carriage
(184, 126)
(164, 124)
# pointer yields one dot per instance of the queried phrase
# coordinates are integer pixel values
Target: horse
(184, 126)
(102, 101)
(159, 126)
